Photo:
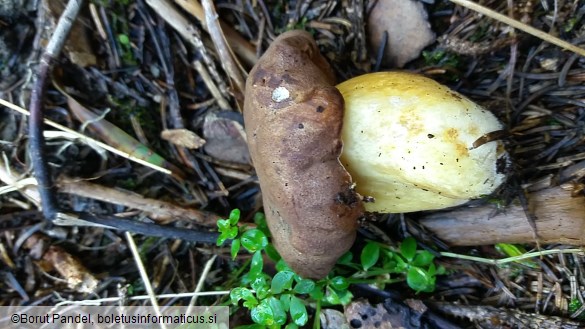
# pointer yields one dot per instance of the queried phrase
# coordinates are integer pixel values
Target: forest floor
(146, 78)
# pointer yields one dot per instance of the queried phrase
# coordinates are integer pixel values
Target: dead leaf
(55, 258)
(76, 275)
(225, 137)
(408, 30)
(183, 137)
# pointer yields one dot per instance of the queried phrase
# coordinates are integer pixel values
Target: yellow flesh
(408, 143)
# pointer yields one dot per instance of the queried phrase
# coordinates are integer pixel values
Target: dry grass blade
(27, 187)
(201, 281)
(119, 138)
(143, 275)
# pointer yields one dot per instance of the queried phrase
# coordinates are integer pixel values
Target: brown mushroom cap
(293, 116)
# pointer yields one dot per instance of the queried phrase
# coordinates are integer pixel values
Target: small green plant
(574, 306)
(439, 57)
(281, 299)
(417, 265)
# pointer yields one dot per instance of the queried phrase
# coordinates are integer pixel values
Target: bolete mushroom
(413, 144)
(409, 143)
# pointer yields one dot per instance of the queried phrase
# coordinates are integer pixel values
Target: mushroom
(293, 116)
(412, 144)
(409, 143)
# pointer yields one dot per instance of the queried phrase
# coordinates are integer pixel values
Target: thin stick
(9, 176)
(223, 49)
(241, 46)
(36, 146)
(166, 10)
(520, 26)
(99, 301)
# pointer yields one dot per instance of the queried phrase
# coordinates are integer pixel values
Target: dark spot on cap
(320, 109)
(355, 323)
(431, 136)
(301, 126)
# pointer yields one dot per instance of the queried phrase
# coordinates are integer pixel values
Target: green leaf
(240, 293)
(234, 216)
(423, 258)
(304, 286)
(262, 314)
(260, 221)
(235, 248)
(254, 240)
(339, 283)
(370, 255)
(282, 266)
(345, 297)
(331, 296)
(272, 253)
(278, 312)
(298, 311)
(221, 239)
(401, 265)
(227, 233)
(419, 280)
(345, 259)
(408, 248)
(223, 224)
(124, 40)
(281, 281)
(256, 265)
(432, 270)
(285, 301)
(291, 326)
(259, 283)
(317, 293)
